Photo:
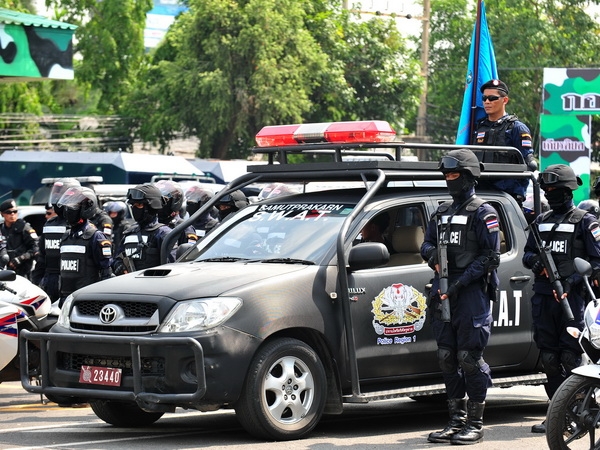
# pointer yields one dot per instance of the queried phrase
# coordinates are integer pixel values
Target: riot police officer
(590, 206)
(469, 226)
(47, 263)
(19, 238)
(196, 196)
(117, 211)
(568, 232)
(101, 220)
(140, 246)
(174, 203)
(85, 252)
(502, 129)
(230, 203)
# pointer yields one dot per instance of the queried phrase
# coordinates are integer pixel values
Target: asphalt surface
(27, 423)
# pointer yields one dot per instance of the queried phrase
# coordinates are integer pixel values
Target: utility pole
(422, 114)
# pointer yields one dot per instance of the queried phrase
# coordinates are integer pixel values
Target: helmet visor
(72, 199)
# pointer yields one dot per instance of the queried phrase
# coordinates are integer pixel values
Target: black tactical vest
(77, 266)
(52, 234)
(493, 133)
(563, 240)
(463, 246)
(142, 248)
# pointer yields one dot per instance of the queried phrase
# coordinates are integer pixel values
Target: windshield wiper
(223, 259)
(288, 261)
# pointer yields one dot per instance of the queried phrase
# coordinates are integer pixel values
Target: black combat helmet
(559, 176)
(461, 160)
(146, 193)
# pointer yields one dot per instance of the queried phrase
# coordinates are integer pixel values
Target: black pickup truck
(281, 312)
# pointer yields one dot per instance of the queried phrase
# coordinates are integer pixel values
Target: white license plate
(107, 376)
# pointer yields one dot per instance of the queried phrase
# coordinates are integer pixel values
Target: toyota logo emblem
(108, 314)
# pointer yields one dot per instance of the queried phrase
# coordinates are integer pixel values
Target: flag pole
(474, 87)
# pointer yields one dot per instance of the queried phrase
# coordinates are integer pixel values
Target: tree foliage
(110, 43)
(527, 36)
(229, 67)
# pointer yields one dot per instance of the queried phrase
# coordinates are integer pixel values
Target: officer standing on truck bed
(468, 227)
(568, 232)
(502, 129)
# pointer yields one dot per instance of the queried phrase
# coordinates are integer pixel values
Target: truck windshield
(298, 231)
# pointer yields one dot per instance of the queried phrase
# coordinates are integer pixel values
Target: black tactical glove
(432, 261)
(15, 262)
(119, 269)
(453, 289)
(537, 266)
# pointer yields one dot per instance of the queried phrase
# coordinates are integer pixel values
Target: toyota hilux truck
(281, 312)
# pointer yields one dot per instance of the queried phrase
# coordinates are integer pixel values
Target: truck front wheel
(121, 414)
(284, 393)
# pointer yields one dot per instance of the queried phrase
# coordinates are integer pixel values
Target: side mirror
(582, 267)
(368, 255)
(8, 275)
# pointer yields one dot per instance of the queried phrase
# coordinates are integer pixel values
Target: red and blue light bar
(367, 131)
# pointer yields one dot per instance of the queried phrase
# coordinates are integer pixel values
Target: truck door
(389, 304)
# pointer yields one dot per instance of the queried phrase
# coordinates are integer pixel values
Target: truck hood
(182, 281)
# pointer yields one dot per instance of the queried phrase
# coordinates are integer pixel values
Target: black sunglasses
(491, 98)
(11, 211)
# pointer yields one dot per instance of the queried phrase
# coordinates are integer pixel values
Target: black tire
(122, 414)
(63, 400)
(573, 413)
(284, 393)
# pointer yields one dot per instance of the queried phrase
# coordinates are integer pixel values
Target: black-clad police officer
(85, 252)
(19, 238)
(141, 243)
(469, 225)
(569, 232)
(174, 203)
(48, 260)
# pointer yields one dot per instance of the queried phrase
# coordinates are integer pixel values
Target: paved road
(25, 423)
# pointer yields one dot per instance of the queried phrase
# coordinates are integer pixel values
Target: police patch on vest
(595, 230)
(69, 265)
(491, 222)
(52, 244)
(558, 246)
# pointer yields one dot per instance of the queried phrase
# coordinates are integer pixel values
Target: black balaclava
(461, 188)
(72, 216)
(144, 215)
(560, 199)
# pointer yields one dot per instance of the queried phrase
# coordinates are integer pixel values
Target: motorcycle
(23, 305)
(574, 411)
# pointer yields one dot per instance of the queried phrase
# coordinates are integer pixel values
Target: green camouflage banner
(571, 91)
(567, 140)
(571, 97)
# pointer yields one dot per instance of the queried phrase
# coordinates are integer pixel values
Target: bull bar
(138, 395)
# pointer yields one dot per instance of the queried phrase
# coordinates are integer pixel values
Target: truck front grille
(152, 366)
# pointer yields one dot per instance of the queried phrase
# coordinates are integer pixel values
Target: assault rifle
(442, 249)
(127, 262)
(551, 270)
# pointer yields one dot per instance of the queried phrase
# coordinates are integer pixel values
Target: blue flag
(481, 69)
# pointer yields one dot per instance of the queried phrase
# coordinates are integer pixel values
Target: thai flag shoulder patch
(491, 222)
(595, 230)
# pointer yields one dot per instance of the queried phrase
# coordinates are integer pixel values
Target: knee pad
(470, 361)
(569, 360)
(551, 363)
(447, 360)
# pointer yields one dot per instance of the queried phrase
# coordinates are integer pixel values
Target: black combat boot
(458, 418)
(472, 432)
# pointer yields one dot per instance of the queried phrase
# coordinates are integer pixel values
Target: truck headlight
(194, 315)
(63, 317)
